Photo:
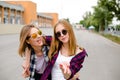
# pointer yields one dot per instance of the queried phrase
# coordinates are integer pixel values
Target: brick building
(24, 12)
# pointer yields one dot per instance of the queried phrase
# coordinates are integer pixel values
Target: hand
(26, 71)
(77, 75)
(65, 70)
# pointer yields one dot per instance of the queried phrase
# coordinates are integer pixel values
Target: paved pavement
(102, 62)
(103, 58)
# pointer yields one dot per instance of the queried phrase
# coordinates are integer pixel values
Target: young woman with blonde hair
(34, 47)
(66, 57)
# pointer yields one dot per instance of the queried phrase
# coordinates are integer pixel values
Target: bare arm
(26, 63)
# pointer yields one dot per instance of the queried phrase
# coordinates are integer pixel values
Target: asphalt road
(102, 62)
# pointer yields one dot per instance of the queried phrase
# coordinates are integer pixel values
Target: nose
(39, 35)
(61, 34)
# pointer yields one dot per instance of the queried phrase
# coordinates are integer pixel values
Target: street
(102, 62)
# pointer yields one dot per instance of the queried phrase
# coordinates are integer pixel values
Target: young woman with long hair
(66, 57)
(34, 47)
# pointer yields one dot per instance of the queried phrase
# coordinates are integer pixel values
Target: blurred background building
(19, 13)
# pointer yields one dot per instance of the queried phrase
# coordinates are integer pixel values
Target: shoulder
(79, 49)
(48, 39)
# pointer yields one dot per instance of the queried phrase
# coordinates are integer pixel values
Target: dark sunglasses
(34, 35)
(58, 34)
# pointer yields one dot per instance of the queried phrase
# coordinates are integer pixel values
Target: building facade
(24, 12)
(12, 14)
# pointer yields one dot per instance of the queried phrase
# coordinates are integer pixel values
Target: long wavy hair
(56, 44)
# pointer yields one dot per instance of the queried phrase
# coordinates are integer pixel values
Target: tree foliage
(103, 14)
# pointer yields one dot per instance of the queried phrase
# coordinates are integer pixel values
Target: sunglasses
(34, 35)
(59, 33)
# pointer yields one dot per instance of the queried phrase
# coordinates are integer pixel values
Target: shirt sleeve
(76, 63)
(48, 39)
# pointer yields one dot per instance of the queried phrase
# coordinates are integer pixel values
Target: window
(5, 15)
(12, 19)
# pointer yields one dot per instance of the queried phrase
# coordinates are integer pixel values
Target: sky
(72, 9)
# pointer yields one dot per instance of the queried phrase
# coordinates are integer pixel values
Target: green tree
(102, 15)
(87, 19)
(114, 7)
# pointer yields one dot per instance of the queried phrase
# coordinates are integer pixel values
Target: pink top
(40, 64)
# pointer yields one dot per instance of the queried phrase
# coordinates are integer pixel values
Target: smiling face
(35, 38)
(62, 33)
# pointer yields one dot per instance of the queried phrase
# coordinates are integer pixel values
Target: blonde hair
(56, 44)
(25, 31)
